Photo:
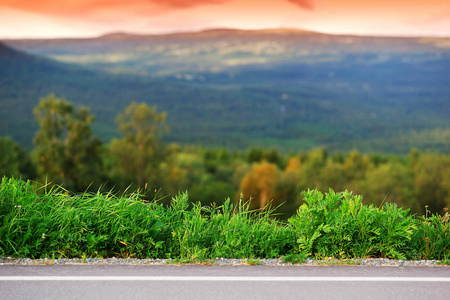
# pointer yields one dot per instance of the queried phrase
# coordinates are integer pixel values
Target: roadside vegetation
(41, 221)
(79, 196)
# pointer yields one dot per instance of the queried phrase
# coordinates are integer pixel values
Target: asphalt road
(222, 282)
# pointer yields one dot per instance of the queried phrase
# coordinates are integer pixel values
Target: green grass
(38, 222)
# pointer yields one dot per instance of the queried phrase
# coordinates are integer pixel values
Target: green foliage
(9, 159)
(228, 231)
(412, 182)
(339, 225)
(432, 183)
(212, 192)
(62, 225)
(43, 221)
(432, 239)
(393, 181)
(68, 153)
(66, 150)
(15, 161)
(138, 154)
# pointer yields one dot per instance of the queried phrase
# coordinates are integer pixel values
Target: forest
(67, 153)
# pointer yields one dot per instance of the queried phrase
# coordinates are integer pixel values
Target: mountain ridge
(221, 50)
(226, 30)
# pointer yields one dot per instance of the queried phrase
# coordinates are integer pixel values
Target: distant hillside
(285, 89)
(225, 49)
(25, 78)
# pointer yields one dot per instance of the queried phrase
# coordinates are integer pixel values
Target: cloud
(115, 12)
(187, 3)
(72, 7)
(305, 4)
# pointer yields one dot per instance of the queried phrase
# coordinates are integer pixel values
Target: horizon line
(206, 29)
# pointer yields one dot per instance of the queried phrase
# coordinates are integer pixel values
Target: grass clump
(231, 231)
(58, 224)
(39, 223)
(432, 238)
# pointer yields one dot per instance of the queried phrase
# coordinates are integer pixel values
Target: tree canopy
(66, 150)
(138, 153)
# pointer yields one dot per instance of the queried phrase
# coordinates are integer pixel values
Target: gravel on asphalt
(218, 261)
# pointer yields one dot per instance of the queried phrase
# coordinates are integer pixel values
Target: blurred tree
(310, 173)
(192, 170)
(446, 185)
(211, 191)
(430, 182)
(274, 157)
(240, 169)
(27, 168)
(254, 155)
(259, 183)
(171, 172)
(9, 158)
(338, 158)
(214, 158)
(139, 153)
(66, 150)
(287, 193)
(332, 176)
(390, 182)
(294, 164)
(204, 185)
(356, 165)
(377, 159)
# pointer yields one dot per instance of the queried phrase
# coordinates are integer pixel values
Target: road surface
(222, 282)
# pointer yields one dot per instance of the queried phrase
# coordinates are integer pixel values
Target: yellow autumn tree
(259, 184)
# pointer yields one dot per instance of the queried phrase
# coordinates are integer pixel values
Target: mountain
(282, 88)
(225, 49)
(24, 79)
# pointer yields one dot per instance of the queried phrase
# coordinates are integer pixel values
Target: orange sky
(75, 18)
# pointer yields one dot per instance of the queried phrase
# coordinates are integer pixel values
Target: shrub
(339, 225)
